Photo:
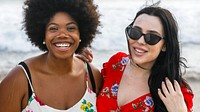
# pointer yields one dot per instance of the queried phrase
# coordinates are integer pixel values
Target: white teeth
(140, 51)
(62, 45)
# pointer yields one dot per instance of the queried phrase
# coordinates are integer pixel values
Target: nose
(141, 40)
(63, 32)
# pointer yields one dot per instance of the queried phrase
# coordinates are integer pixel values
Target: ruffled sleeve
(112, 60)
(103, 70)
(188, 96)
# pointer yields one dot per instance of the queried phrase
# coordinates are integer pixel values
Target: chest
(125, 95)
(61, 94)
(131, 88)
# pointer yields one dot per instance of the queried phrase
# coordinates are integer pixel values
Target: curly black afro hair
(37, 14)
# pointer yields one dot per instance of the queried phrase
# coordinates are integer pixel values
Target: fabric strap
(29, 76)
(91, 77)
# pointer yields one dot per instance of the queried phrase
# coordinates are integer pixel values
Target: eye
(72, 28)
(53, 29)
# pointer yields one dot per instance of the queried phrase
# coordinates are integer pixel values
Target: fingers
(86, 55)
(162, 97)
(82, 57)
(172, 96)
(177, 87)
(88, 52)
(167, 89)
(169, 86)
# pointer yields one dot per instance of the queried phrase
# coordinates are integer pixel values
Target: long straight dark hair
(168, 63)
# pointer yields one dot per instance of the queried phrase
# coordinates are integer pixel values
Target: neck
(138, 70)
(61, 66)
(137, 65)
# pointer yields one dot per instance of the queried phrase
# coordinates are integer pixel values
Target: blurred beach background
(115, 16)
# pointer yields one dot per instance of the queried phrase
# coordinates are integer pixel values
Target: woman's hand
(172, 97)
(86, 55)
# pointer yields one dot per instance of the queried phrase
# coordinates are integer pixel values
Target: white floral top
(86, 104)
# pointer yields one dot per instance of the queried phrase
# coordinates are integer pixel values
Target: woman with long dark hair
(149, 78)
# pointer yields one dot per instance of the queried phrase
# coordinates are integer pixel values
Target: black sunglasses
(135, 34)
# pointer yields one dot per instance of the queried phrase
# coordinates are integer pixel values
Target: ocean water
(116, 15)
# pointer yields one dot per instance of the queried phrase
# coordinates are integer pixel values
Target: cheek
(48, 36)
(155, 51)
(130, 42)
(77, 36)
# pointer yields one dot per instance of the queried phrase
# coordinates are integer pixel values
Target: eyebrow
(66, 24)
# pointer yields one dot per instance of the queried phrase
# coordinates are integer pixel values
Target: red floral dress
(107, 99)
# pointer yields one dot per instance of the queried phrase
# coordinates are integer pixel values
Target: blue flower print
(149, 101)
(124, 60)
(114, 89)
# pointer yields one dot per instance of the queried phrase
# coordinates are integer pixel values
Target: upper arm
(12, 91)
(97, 78)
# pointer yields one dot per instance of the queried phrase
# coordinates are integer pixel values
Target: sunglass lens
(152, 39)
(134, 33)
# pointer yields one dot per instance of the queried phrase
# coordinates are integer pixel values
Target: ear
(163, 48)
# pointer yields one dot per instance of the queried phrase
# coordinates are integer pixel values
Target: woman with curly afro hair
(55, 80)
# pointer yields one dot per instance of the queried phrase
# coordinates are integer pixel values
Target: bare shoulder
(13, 90)
(97, 77)
(15, 76)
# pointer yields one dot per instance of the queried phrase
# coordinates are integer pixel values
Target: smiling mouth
(139, 51)
(62, 45)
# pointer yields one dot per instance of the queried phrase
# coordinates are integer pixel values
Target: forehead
(61, 17)
(149, 23)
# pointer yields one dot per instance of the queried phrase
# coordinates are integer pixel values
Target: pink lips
(139, 51)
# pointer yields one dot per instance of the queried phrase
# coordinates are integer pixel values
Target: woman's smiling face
(142, 53)
(62, 35)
